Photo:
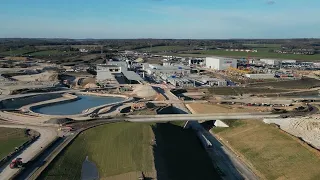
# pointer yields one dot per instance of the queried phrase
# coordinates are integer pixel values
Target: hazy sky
(160, 18)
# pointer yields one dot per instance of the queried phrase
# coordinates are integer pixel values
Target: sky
(178, 19)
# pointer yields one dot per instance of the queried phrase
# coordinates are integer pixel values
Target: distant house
(83, 50)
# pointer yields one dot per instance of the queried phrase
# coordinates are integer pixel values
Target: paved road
(197, 117)
(47, 135)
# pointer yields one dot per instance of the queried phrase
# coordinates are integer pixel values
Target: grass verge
(9, 139)
(115, 148)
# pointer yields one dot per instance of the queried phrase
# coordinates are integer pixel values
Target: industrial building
(260, 76)
(172, 70)
(107, 72)
(220, 63)
(112, 73)
(199, 62)
(272, 62)
(181, 82)
(123, 64)
(289, 61)
(214, 81)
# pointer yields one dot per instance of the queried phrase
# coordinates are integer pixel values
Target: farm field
(119, 150)
(263, 45)
(260, 54)
(304, 83)
(16, 52)
(9, 139)
(51, 53)
(164, 48)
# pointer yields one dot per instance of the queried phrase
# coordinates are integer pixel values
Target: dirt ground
(220, 108)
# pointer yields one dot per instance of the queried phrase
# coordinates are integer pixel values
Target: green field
(115, 149)
(263, 45)
(17, 52)
(9, 139)
(164, 48)
(273, 153)
(51, 53)
(304, 83)
(262, 53)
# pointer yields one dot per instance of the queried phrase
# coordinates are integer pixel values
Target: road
(222, 157)
(197, 117)
(47, 135)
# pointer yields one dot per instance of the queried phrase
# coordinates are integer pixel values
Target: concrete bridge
(197, 117)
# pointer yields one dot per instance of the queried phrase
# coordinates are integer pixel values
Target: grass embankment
(122, 148)
(273, 153)
(9, 139)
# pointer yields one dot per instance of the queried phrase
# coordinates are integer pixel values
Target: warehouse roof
(132, 75)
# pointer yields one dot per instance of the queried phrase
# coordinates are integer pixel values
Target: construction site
(131, 100)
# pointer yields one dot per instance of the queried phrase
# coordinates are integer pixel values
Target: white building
(173, 70)
(214, 81)
(106, 72)
(220, 63)
(83, 50)
(180, 82)
(273, 62)
(260, 76)
(123, 64)
(289, 61)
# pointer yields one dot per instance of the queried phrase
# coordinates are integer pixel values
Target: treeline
(16, 43)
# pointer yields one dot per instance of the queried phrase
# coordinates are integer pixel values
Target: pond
(76, 107)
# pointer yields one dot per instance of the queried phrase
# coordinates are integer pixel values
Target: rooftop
(131, 75)
(107, 65)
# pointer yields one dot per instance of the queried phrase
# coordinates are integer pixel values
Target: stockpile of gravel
(144, 91)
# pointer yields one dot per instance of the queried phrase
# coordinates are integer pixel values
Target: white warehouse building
(220, 63)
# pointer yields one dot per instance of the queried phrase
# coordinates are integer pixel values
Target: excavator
(16, 163)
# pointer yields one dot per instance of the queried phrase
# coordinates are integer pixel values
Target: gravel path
(47, 135)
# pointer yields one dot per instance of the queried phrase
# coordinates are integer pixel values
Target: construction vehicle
(16, 163)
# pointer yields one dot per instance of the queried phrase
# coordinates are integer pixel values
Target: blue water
(76, 107)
